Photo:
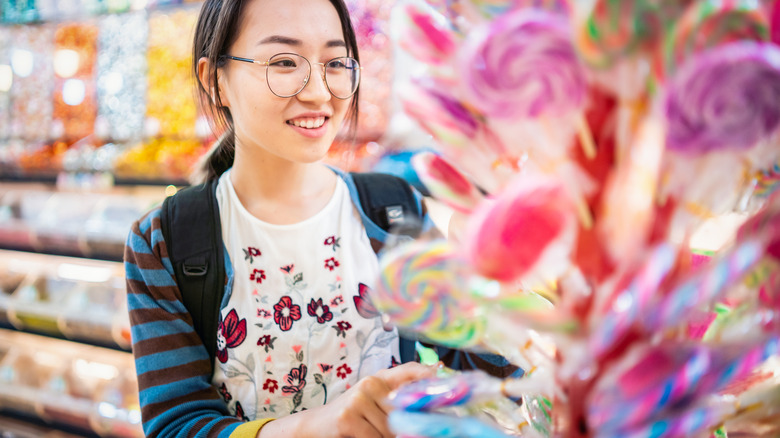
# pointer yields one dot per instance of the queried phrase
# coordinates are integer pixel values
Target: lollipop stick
(586, 137)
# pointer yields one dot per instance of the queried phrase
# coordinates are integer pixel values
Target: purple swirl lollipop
(727, 98)
(523, 65)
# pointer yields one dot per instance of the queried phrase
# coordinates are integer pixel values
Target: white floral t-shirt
(297, 329)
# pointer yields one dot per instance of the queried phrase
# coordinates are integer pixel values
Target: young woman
(282, 76)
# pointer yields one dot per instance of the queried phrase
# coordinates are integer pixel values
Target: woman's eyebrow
(279, 39)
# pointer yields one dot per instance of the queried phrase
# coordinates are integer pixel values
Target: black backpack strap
(389, 202)
(193, 235)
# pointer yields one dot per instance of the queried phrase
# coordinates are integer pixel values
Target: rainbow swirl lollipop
(725, 98)
(710, 23)
(423, 286)
(522, 65)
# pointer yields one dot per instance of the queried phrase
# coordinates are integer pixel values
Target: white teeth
(309, 123)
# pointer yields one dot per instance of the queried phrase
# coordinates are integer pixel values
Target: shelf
(66, 298)
(61, 383)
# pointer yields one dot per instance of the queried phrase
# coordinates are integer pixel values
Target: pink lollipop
(523, 65)
(425, 33)
(727, 98)
(529, 228)
(445, 182)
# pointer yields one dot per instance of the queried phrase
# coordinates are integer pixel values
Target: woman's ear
(204, 76)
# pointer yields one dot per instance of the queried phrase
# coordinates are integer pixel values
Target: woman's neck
(280, 191)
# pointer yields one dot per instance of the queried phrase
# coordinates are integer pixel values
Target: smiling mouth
(308, 123)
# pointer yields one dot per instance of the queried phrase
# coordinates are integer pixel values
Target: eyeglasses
(288, 73)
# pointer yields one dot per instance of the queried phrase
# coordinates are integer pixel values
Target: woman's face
(301, 128)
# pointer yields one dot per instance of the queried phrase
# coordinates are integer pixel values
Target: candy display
(632, 332)
(75, 102)
(32, 49)
(121, 85)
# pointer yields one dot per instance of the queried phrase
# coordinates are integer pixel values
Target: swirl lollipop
(710, 23)
(522, 65)
(727, 98)
(423, 286)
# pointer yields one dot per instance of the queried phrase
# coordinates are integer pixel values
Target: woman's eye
(337, 64)
(286, 63)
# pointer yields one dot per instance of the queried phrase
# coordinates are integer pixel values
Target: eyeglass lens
(287, 75)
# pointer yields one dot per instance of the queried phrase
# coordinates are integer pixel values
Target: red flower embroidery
(325, 367)
(341, 328)
(332, 241)
(250, 253)
(363, 304)
(331, 263)
(267, 342)
(270, 385)
(343, 370)
(257, 275)
(240, 412)
(288, 269)
(263, 313)
(231, 334)
(321, 311)
(285, 312)
(336, 301)
(296, 380)
(225, 394)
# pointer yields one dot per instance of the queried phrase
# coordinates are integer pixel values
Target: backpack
(193, 234)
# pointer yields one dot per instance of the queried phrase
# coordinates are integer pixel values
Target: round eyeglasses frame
(308, 76)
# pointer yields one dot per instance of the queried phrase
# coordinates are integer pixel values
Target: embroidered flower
(363, 304)
(257, 275)
(225, 394)
(296, 380)
(267, 342)
(321, 311)
(270, 385)
(231, 334)
(336, 301)
(333, 241)
(343, 370)
(240, 412)
(285, 312)
(288, 269)
(325, 367)
(263, 313)
(250, 253)
(341, 328)
(331, 263)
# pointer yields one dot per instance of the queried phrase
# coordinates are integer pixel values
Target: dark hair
(215, 32)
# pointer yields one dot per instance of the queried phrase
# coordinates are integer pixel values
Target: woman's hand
(360, 412)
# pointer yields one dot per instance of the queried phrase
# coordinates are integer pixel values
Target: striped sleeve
(174, 374)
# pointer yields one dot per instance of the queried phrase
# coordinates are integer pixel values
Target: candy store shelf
(60, 297)
(87, 388)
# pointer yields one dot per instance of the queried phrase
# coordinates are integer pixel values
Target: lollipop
(614, 30)
(527, 229)
(522, 65)
(725, 98)
(446, 182)
(424, 32)
(767, 181)
(710, 23)
(440, 426)
(423, 286)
